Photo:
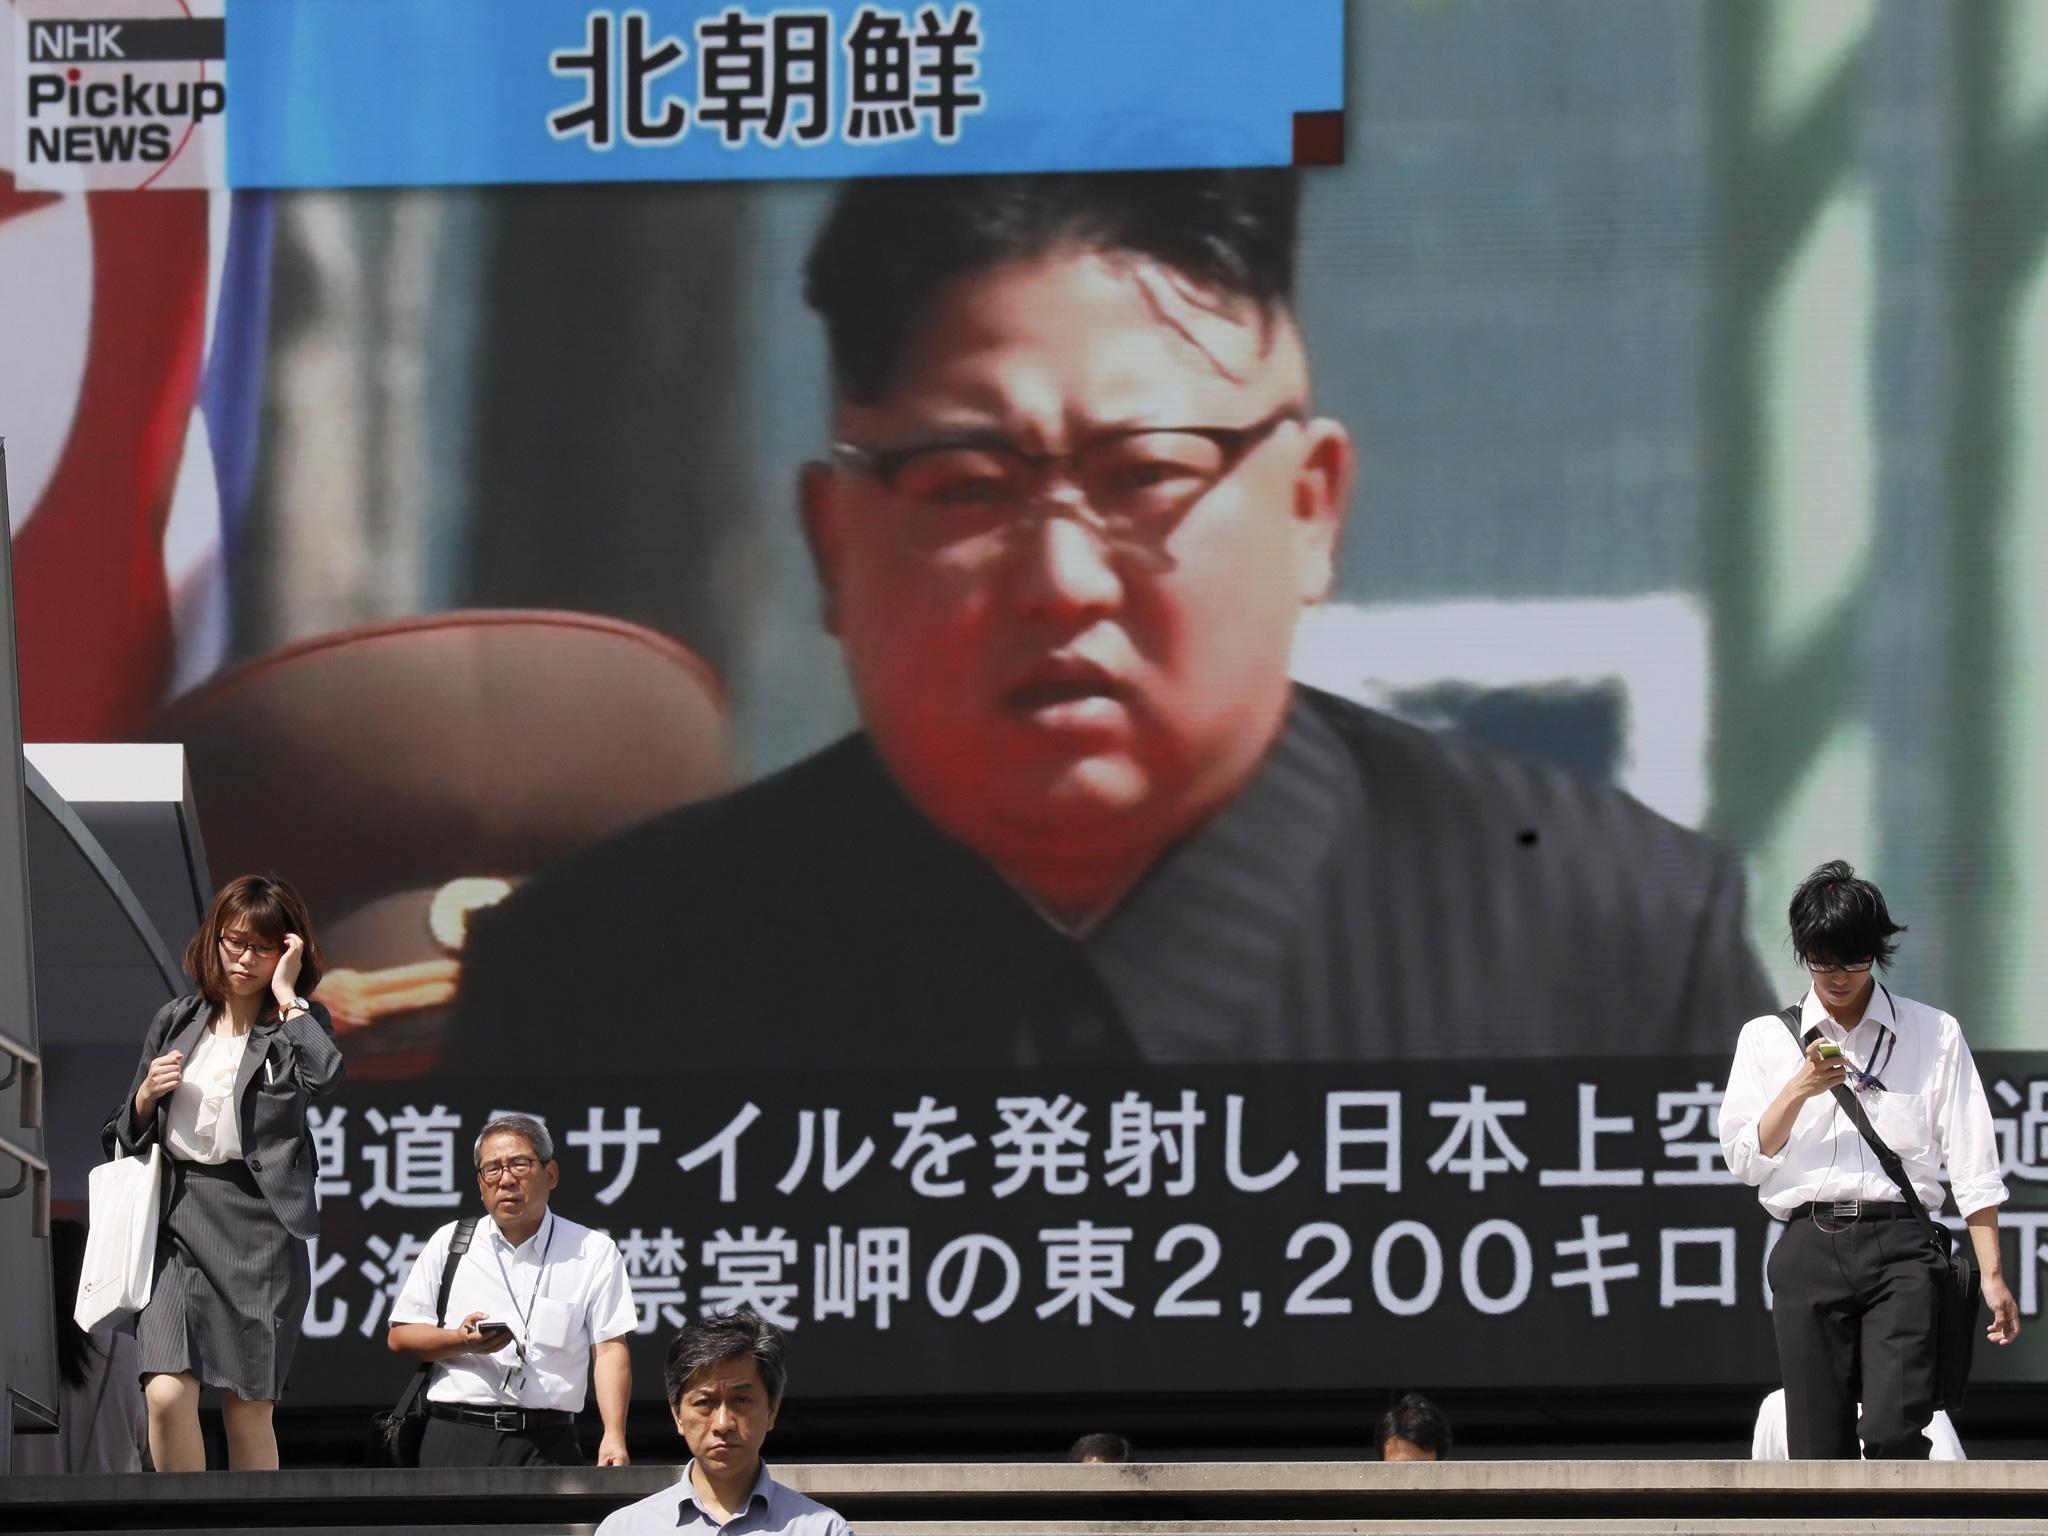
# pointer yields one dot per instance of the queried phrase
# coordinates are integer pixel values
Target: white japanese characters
(1129, 1151)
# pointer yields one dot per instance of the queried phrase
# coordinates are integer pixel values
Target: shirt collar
(1880, 1010)
(532, 1244)
(763, 1489)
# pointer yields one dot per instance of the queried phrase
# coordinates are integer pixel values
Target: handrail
(34, 1176)
(28, 1066)
(42, 1417)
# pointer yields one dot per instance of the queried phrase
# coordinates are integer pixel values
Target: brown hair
(265, 906)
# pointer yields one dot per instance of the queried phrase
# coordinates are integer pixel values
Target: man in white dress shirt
(541, 1304)
(1855, 1303)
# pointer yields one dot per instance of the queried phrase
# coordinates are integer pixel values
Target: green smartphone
(1829, 1050)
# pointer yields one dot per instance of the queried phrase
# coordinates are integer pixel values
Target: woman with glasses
(226, 1077)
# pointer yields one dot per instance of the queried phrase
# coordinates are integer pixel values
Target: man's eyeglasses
(241, 946)
(1822, 968)
(518, 1167)
(1136, 482)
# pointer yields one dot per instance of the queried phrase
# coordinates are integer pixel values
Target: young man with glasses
(1853, 1281)
(559, 1309)
(1076, 498)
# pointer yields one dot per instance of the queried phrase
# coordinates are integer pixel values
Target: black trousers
(1856, 1314)
(448, 1444)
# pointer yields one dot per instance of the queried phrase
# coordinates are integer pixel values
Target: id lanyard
(1880, 1058)
(1880, 1054)
(525, 1326)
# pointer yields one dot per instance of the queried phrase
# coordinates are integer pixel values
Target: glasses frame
(885, 463)
(248, 949)
(494, 1172)
(1856, 968)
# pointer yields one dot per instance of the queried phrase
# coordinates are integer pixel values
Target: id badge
(549, 1325)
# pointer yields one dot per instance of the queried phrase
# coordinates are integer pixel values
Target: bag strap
(1893, 1165)
(458, 1245)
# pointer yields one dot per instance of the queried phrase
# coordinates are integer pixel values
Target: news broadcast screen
(1136, 684)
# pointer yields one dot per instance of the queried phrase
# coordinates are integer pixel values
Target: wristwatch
(299, 1003)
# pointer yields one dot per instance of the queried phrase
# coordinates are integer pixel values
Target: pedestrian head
(1100, 1447)
(241, 939)
(1414, 1429)
(724, 1378)
(516, 1172)
(1840, 920)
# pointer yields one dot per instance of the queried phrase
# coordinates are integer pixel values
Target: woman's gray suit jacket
(284, 1065)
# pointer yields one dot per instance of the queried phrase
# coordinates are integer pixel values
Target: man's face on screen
(1068, 636)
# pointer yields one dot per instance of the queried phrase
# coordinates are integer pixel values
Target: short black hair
(1838, 919)
(1417, 1420)
(709, 1340)
(1100, 1446)
(890, 244)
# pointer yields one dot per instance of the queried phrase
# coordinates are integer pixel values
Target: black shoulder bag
(1955, 1336)
(395, 1436)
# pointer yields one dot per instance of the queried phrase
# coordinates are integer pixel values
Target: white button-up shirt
(203, 1124)
(564, 1283)
(1931, 1109)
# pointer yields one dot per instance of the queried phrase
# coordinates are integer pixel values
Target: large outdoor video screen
(1187, 769)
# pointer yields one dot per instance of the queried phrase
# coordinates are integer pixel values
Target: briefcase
(1962, 1309)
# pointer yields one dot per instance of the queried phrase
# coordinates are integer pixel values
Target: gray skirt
(231, 1285)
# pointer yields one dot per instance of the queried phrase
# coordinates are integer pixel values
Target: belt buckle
(508, 1421)
(1845, 1210)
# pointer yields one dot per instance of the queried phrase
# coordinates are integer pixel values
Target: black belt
(1853, 1210)
(506, 1421)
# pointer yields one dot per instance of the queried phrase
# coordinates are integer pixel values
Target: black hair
(1100, 1447)
(709, 1340)
(890, 244)
(1417, 1420)
(1838, 919)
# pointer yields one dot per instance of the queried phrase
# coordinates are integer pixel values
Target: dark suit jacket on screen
(1375, 892)
(283, 1066)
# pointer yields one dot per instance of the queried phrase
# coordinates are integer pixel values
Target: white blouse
(204, 1125)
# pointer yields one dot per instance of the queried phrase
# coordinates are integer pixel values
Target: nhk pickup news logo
(114, 94)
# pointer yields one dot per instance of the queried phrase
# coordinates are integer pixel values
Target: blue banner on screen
(447, 92)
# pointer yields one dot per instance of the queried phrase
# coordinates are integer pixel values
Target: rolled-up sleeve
(1749, 1094)
(1962, 1125)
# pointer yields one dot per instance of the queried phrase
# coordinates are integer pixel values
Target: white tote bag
(122, 1200)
